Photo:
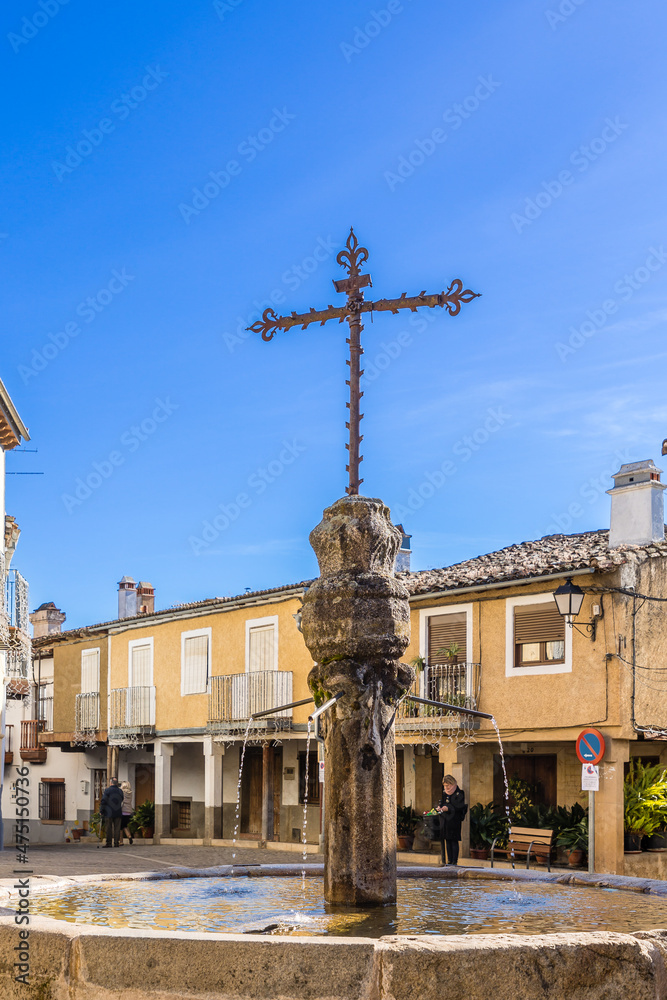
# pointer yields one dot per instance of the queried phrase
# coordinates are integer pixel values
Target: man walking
(111, 810)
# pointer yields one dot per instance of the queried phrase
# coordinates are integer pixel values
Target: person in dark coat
(111, 810)
(453, 810)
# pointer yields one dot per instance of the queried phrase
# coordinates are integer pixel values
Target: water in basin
(286, 906)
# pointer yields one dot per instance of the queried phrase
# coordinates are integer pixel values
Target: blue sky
(165, 169)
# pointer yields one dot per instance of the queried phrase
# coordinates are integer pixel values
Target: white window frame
(92, 649)
(446, 609)
(256, 623)
(130, 646)
(193, 634)
(541, 668)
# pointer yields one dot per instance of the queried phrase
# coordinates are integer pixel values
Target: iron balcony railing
(235, 697)
(132, 710)
(456, 684)
(87, 711)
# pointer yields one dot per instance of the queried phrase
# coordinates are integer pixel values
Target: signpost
(590, 751)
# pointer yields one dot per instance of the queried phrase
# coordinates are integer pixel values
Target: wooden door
(437, 774)
(144, 784)
(99, 784)
(251, 793)
(538, 770)
(277, 789)
(400, 777)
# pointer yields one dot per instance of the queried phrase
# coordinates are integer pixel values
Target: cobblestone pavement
(91, 859)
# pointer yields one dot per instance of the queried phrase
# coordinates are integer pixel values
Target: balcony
(131, 712)
(31, 749)
(454, 683)
(87, 712)
(235, 697)
(9, 745)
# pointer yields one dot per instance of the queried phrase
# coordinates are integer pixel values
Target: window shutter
(194, 677)
(444, 631)
(141, 666)
(261, 655)
(90, 671)
(538, 623)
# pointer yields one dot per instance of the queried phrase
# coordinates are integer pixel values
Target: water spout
(325, 706)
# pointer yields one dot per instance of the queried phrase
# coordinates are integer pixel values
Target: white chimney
(637, 505)
(127, 598)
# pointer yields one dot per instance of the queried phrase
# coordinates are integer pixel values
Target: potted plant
(450, 653)
(574, 840)
(406, 821)
(144, 819)
(97, 825)
(645, 803)
(485, 825)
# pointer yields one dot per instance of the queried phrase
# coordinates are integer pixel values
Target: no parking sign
(590, 746)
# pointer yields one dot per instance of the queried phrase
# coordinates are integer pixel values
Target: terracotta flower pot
(405, 842)
(575, 858)
(479, 853)
(147, 832)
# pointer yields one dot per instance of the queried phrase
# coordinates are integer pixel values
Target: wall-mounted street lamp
(569, 598)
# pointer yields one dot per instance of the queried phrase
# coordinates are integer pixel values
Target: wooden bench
(529, 842)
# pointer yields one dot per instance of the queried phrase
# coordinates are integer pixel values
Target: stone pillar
(410, 791)
(356, 625)
(213, 756)
(609, 825)
(267, 792)
(163, 755)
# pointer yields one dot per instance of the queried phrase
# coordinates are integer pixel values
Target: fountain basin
(81, 962)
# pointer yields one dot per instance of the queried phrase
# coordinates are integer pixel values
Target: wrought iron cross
(352, 259)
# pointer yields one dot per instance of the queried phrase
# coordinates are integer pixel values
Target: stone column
(267, 793)
(163, 755)
(410, 791)
(356, 625)
(213, 756)
(609, 824)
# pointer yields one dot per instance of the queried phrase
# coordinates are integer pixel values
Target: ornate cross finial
(352, 258)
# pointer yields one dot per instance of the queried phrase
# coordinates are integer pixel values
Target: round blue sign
(590, 746)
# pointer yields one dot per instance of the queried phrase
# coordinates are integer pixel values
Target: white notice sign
(321, 770)
(590, 778)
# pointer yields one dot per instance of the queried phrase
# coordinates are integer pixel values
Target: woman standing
(126, 788)
(453, 810)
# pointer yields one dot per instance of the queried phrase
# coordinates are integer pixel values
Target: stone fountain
(356, 625)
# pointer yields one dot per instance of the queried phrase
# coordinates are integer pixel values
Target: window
(447, 632)
(140, 667)
(45, 706)
(262, 644)
(539, 635)
(195, 647)
(313, 778)
(90, 671)
(52, 800)
(537, 639)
